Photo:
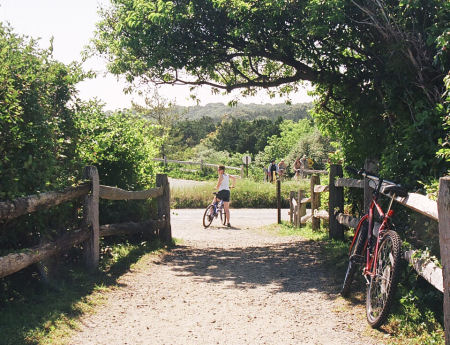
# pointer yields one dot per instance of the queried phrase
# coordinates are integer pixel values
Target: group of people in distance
(279, 169)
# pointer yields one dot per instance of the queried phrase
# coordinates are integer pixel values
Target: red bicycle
(377, 247)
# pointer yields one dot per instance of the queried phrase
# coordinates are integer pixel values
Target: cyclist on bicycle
(223, 185)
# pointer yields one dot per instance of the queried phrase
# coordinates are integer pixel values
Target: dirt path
(228, 286)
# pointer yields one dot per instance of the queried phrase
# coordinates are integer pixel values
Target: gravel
(229, 286)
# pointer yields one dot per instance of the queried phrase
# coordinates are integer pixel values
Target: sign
(246, 159)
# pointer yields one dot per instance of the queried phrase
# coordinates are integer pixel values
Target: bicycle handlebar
(389, 185)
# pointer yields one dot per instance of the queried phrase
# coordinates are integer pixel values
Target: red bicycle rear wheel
(357, 249)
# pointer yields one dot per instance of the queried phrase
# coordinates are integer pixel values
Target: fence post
(279, 201)
(301, 206)
(201, 165)
(335, 203)
(370, 165)
(291, 208)
(242, 171)
(91, 219)
(315, 201)
(165, 234)
(165, 163)
(444, 243)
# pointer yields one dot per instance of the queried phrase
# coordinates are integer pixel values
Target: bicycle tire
(223, 216)
(357, 249)
(208, 216)
(381, 288)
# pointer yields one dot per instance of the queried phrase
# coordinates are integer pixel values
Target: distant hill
(247, 111)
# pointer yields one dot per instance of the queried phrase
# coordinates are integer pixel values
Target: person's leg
(226, 206)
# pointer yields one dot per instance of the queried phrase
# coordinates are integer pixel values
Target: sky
(72, 24)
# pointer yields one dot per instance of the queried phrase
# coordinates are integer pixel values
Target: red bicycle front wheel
(382, 286)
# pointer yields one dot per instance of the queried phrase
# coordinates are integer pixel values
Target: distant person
(310, 163)
(223, 185)
(303, 166)
(281, 168)
(297, 167)
(273, 167)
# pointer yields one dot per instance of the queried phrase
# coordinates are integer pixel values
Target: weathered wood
(150, 227)
(15, 262)
(322, 214)
(18, 207)
(114, 193)
(305, 218)
(349, 182)
(313, 171)
(193, 163)
(301, 207)
(91, 220)
(335, 202)
(292, 204)
(164, 208)
(421, 204)
(347, 220)
(417, 202)
(315, 201)
(320, 189)
(278, 201)
(305, 200)
(372, 167)
(296, 218)
(427, 269)
(444, 243)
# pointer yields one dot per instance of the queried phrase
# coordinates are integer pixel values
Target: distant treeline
(217, 111)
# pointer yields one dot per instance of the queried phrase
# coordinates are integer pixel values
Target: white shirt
(225, 184)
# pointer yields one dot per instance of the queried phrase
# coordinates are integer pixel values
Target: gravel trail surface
(229, 286)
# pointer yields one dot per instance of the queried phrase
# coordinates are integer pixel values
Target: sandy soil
(229, 286)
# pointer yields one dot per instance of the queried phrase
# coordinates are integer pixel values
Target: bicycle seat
(395, 189)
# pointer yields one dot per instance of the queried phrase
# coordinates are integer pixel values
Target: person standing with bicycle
(223, 185)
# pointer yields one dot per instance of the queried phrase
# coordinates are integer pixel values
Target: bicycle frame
(370, 267)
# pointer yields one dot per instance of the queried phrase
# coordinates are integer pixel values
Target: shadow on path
(289, 267)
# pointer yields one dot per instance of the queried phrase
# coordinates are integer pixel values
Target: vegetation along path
(241, 285)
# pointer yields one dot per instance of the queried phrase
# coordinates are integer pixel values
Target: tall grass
(247, 194)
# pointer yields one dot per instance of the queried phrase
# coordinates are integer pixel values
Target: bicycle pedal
(357, 259)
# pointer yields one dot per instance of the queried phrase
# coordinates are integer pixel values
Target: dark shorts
(223, 195)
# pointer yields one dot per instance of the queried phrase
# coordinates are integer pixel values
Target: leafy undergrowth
(416, 316)
(34, 312)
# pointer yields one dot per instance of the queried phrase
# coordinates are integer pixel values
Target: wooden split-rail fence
(201, 164)
(437, 210)
(91, 230)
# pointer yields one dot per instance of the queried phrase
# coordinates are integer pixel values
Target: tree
(376, 64)
(161, 112)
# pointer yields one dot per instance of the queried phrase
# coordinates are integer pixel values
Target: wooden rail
(201, 164)
(91, 231)
(18, 207)
(337, 219)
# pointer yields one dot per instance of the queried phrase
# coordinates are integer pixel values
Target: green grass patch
(247, 194)
(34, 312)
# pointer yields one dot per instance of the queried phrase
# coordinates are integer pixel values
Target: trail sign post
(246, 160)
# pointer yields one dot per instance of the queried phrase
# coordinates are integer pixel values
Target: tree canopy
(377, 66)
